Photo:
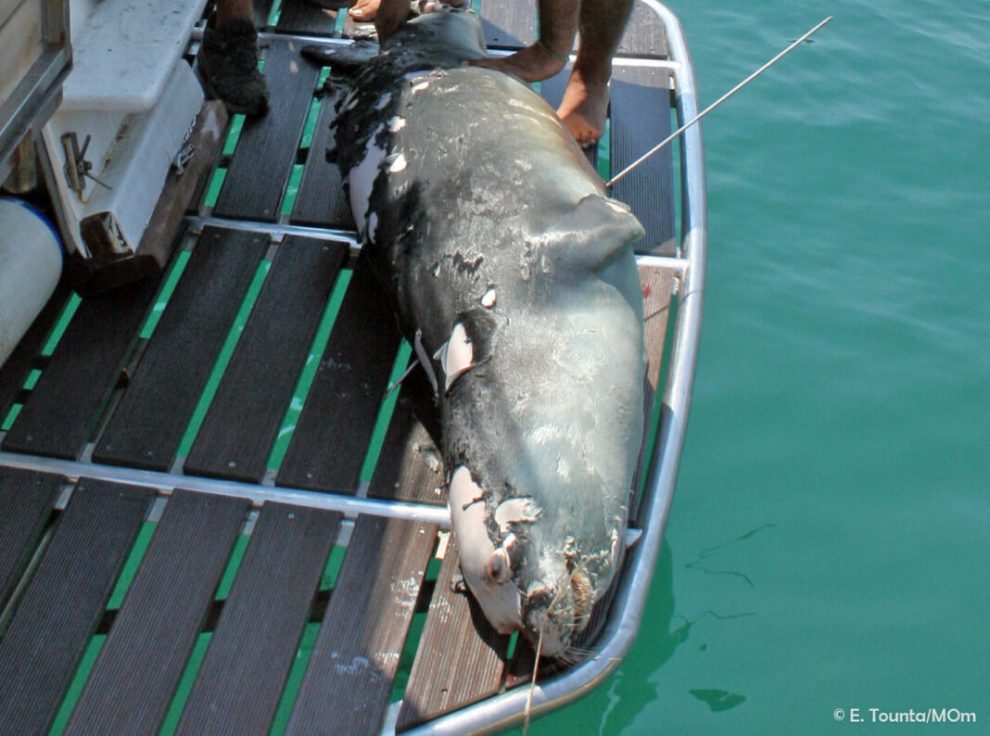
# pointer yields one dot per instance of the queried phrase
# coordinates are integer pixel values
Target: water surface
(827, 546)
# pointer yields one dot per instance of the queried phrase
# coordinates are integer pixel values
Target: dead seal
(511, 273)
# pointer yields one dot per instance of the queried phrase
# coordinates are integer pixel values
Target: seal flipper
(597, 231)
(349, 57)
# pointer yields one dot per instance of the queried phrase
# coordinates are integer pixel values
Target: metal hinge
(77, 168)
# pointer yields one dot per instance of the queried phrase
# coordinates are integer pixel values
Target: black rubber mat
(507, 24)
(257, 385)
(64, 406)
(320, 200)
(19, 363)
(64, 602)
(147, 426)
(299, 16)
(134, 679)
(641, 118)
(26, 500)
(240, 681)
(644, 35)
(349, 679)
(266, 150)
(332, 435)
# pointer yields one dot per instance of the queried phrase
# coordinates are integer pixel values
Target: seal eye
(499, 570)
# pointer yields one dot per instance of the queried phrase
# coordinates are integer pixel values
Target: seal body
(512, 275)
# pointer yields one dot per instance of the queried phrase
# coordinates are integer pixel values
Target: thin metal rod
(666, 141)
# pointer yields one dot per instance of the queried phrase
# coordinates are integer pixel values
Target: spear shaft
(666, 141)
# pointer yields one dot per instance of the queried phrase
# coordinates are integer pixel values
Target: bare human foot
(387, 15)
(364, 11)
(583, 108)
(585, 102)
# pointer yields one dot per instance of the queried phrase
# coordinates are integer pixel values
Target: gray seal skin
(511, 273)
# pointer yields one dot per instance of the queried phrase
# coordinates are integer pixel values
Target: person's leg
(228, 59)
(546, 57)
(230, 9)
(585, 102)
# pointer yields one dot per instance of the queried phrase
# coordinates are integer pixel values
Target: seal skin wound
(500, 602)
(456, 356)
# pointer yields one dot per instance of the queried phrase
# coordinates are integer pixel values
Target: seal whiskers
(532, 682)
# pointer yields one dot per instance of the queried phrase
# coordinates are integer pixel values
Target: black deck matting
(266, 150)
(64, 602)
(320, 200)
(147, 426)
(142, 660)
(332, 435)
(240, 681)
(641, 118)
(644, 35)
(298, 16)
(257, 385)
(19, 363)
(372, 604)
(26, 500)
(63, 408)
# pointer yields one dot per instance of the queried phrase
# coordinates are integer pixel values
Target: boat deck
(214, 515)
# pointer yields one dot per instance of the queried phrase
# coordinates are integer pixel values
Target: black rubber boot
(228, 63)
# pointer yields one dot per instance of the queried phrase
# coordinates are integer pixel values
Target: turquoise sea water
(828, 544)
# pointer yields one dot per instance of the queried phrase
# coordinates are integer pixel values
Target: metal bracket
(77, 168)
(183, 157)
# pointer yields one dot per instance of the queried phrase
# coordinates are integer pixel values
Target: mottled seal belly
(512, 275)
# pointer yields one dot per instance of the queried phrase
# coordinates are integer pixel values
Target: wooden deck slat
(658, 286)
(410, 466)
(644, 35)
(460, 659)
(298, 16)
(357, 652)
(372, 604)
(508, 24)
(64, 601)
(333, 431)
(148, 424)
(63, 408)
(240, 681)
(257, 385)
(321, 201)
(14, 371)
(266, 150)
(142, 660)
(640, 115)
(26, 500)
